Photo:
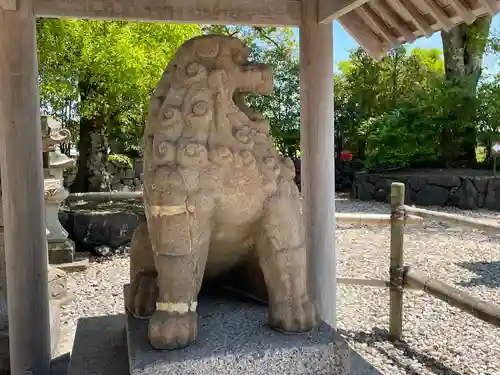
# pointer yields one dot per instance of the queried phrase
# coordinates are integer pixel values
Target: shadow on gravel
(488, 274)
(378, 335)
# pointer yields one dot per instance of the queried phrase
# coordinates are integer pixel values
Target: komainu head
(198, 117)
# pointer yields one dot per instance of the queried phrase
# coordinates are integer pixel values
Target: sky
(343, 42)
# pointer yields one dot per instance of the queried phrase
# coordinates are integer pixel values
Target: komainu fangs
(215, 190)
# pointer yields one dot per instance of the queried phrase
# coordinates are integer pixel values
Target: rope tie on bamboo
(397, 276)
(399, 213)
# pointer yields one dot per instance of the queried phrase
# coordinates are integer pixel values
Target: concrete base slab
(233, 339)
(100, 347)
(79, 263)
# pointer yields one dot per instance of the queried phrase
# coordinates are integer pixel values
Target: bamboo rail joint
(452, 296)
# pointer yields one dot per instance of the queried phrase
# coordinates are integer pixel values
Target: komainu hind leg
(181, 237)
(282, 256)
(143, 290)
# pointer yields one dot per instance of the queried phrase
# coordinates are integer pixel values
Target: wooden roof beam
(416, 17)
(491, 6)
(371, 18)
(393, 18)
(225, 12)
(330, 10)
(440, 16)
(363, 34)
(463, 11)
(8, 4)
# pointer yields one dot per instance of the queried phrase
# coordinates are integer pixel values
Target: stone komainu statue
(216, 193)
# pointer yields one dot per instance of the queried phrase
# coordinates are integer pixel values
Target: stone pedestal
(233, 339)
(61, 248)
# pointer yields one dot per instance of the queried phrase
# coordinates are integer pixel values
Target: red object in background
(345, 155)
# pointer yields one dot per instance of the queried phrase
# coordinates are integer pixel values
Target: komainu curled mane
(216, 193)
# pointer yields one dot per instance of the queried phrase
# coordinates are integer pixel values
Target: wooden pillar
(22, 193)
(317, 154)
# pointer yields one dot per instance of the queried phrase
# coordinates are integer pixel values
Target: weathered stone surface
(234, 341)
(121, 176)
(492, 199)
(432, 195)
(90, 227)
(215, 190)
(466, 192)
(61, 252)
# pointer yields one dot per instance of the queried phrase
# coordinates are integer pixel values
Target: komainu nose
(256, 78)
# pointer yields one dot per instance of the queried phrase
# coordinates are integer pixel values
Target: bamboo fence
(401, 277)
(340, 217)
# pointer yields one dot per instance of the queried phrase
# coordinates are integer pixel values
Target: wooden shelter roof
(377, 25)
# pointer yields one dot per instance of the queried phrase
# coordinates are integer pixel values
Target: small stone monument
(61, 248)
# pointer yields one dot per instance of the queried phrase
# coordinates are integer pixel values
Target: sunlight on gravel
(438, 339)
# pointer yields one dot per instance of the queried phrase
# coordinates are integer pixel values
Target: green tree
(97, 76)
(366, 89)
(464, 47)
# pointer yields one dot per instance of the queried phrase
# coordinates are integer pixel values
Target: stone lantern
(61, 248)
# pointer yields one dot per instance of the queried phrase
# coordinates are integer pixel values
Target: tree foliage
(96, 76)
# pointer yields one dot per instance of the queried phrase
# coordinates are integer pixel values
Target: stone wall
(122, 177)
(432, 189)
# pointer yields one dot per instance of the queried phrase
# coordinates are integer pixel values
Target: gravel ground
(438, 339)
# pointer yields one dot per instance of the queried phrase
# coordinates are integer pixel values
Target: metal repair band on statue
(168, 210)
(178, 307)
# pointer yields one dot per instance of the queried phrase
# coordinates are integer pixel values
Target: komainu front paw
(292, 316)
(142, 295)
(172, 330)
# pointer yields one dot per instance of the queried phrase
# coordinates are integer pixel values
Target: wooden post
(396, 267)
(318, 155)
(22, 192)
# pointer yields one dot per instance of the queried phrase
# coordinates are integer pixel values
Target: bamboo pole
(376, 283)
(464, 301)
(105, 196)
(340, 217)
(373, 219)
(472, 222)
(396, 265)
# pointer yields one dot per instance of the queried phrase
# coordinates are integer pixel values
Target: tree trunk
(463, 48)
(93, 156)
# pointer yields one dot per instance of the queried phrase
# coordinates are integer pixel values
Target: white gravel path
(438, 339)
